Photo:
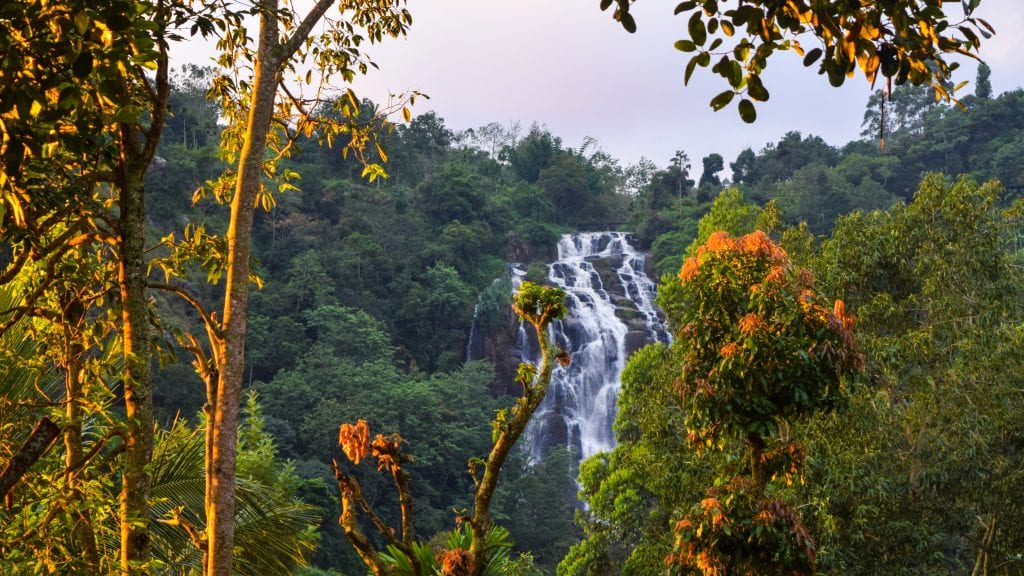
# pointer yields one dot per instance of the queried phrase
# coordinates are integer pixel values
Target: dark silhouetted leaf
(82, 65)
(812, 56)
(698, 33)
(686, 6)
(747, 111)
(756, 89)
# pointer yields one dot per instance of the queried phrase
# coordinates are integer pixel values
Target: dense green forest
(370, 288)
(217, 282)
(369, 291)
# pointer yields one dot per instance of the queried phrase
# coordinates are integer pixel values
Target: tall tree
(81, 76)
(983, 84)
(713, 164)
(924, 475)
(265, 112)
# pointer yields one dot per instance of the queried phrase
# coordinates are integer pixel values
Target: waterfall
(611, 314)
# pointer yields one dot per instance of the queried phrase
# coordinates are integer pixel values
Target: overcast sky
(568, 66)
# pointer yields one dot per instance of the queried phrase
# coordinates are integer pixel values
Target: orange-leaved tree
(761, 348)
(483, 547)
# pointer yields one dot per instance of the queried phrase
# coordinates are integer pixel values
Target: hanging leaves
(899, 38)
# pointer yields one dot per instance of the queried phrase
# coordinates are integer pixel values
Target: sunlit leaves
(354, 440)
(901, 39)
(538, 304)
(743, 373)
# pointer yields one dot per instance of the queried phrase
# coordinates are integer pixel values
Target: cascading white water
(611, 314)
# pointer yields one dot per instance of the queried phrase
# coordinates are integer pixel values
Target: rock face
(611, 315)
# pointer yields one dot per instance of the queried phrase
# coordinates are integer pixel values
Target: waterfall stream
(611, 314)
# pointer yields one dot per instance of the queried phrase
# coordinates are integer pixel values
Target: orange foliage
(750, 324)
(354, 440)
(457, 562)
(387, 452)
(757, 243)
(689, 271)
(777, 275)
(729, 350)
(719, 241)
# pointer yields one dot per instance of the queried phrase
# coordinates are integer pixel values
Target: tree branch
(287, 50)
(212, 326)
(349, 491)
(38, 442)
(197, 536)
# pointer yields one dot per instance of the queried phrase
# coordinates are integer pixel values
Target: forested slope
(369, 288)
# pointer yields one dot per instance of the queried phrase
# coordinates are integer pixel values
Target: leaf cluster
(762, 348)
(903, 40)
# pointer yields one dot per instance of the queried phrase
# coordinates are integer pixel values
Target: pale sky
(567, 65)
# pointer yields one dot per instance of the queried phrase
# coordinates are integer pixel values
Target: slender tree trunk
(137, 151)
(73, 448)
(138, 387)
(221, 510)
(521, 414)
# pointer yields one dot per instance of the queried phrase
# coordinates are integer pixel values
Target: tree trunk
(74, 451)
(138, 386)
(137, 151)
(521, 414)
(220, 512)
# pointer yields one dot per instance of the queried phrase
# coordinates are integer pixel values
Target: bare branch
(212, 326)
(288, 49)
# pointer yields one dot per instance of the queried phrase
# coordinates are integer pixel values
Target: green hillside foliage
(368, 298)
(370, 291)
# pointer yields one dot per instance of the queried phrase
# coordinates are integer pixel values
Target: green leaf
(690, 67)
(605, 4)
(82, 22)
(685, 46)
(735, 74)
(128, 114)
(698, 33)
(722, 100)
(747, 111)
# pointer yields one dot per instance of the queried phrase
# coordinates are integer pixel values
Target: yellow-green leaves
(539, 304)
(899, 38)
